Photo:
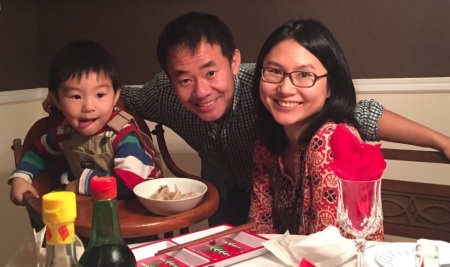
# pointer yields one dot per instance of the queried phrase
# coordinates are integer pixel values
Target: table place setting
(401, 254)
(327, 248)
(217, 246)
(358, 167)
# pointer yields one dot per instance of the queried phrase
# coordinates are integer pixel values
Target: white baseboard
(403, 85)
(10, 97)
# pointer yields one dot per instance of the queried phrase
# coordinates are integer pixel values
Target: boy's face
(203, 79)
(87, 103)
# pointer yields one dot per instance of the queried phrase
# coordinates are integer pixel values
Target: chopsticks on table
(208, 238)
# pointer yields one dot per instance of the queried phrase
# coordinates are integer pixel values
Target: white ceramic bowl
(144, 190)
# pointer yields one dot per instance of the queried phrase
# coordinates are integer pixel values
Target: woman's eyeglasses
(298, 78)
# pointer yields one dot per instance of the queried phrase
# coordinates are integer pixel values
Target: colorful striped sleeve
(37, 157)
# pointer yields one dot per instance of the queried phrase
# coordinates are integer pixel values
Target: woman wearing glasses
(303, 89)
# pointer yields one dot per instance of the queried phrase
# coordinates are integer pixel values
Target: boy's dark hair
(340, 105)
(189, 30)
(82, 57)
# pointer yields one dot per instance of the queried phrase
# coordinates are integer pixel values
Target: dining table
(373, 248)
(268, 259)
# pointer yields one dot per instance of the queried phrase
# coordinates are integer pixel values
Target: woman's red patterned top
(304, 204)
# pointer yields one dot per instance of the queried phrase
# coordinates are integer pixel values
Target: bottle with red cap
(106, 246)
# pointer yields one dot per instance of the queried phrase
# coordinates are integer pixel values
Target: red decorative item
(356, 164)
(63, 232)
(355, 160)
(48, 234)
(221, 249)
(305, 263)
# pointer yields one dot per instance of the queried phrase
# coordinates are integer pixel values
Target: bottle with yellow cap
(58, 213)
(106, 246)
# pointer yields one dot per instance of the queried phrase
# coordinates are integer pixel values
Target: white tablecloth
(269, 260)
(372, 248)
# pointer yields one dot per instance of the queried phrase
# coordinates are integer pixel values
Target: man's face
(203, 79)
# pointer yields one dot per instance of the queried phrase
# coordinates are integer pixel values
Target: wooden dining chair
(49, 180)
(416, 209)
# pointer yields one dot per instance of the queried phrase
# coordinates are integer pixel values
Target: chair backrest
(39, 128)
(412, 209)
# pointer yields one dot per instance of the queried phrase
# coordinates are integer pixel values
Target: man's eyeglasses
(298, 78)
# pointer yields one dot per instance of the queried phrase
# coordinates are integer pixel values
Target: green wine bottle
(106, 246)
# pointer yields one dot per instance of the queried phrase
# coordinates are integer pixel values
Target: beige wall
(431, 109)
(15, 118)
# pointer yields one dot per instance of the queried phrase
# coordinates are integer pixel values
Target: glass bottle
(58, 213)
(106, 246)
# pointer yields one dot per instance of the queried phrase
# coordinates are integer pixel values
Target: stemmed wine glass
(359, 211)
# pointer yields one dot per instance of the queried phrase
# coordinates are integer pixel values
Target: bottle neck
(61, 255)
(105, 224)
(60, 245)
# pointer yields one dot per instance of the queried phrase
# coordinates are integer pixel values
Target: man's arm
(395, 128)
(377, 123)
(146, 101)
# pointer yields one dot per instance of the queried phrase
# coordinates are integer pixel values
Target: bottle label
(60, 234)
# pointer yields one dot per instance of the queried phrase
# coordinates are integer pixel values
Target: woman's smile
(288, 104)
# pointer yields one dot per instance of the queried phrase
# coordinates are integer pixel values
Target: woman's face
(291, 105)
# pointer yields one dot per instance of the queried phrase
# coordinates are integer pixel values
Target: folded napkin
(443, 249)
(326, 248)
(355, 160)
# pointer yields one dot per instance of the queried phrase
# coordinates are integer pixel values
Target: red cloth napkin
(305, 263)
(356, 163)
(355, 160)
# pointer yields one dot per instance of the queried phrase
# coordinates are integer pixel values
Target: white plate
(389, 255)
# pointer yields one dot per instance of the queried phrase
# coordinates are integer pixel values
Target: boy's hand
(18, 187)
(73, 186)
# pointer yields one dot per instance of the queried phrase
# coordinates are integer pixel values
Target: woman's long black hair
(339, 107)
